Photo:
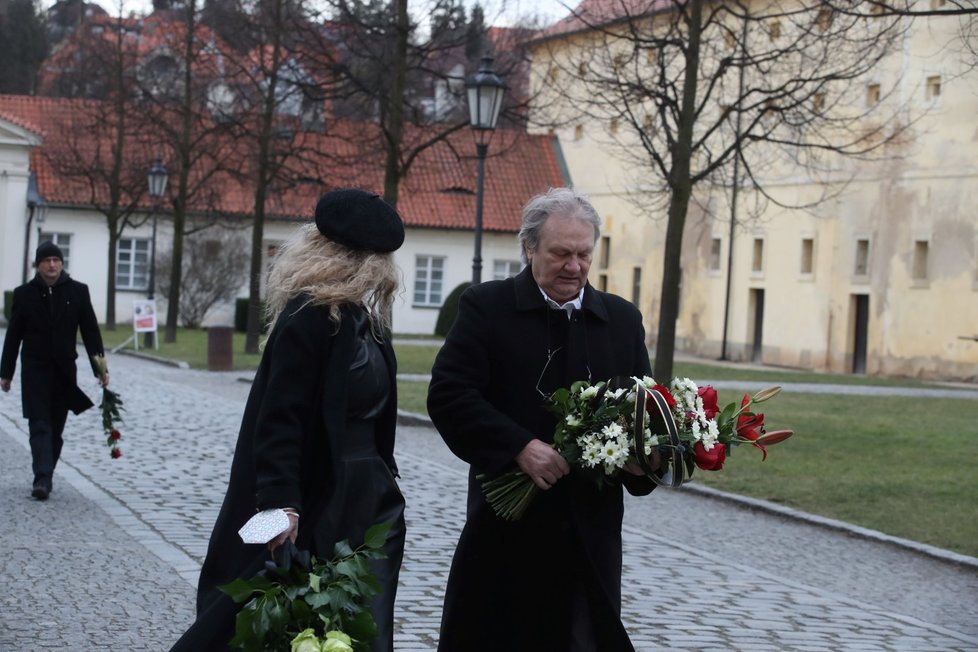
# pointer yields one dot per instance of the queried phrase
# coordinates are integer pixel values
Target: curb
(179, 364)
(413, 419)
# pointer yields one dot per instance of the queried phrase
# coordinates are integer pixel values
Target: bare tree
(210, 274)
(175, 83)
(102, 143)
(379, 70)
(712, 95)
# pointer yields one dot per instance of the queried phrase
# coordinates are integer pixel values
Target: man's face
(561, 261)
(50, 269)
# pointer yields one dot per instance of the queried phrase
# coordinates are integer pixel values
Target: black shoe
(40, 491)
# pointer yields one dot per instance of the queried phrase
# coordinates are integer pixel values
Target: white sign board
(144, 315)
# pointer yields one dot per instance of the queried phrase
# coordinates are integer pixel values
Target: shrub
(449, 310)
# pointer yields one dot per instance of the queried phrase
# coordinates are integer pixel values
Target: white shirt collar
(569, 307)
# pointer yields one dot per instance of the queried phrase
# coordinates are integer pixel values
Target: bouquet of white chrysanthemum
(664, 432)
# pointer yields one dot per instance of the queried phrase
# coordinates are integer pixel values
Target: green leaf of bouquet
(361, 626)
(376, 535)
(315, 582)
(343, 549)
(239, 590)
(317, 601)
(347, 568)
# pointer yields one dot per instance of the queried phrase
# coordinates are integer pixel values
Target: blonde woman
(317, 437)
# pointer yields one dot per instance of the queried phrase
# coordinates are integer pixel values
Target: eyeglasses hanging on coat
(574, 317)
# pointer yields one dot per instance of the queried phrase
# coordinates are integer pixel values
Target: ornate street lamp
(485, 93)
(156, 180)
(37, 209)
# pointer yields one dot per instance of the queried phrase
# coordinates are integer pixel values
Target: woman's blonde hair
(331, 274)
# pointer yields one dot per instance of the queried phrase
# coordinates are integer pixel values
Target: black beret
(359, 220)
(47, 250)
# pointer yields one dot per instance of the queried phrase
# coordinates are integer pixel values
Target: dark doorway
(757, 317)
(860, 327)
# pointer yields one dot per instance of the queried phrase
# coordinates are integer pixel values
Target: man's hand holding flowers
(542, 464)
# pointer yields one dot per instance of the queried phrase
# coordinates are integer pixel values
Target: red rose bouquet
(605, 426)
(111, 408)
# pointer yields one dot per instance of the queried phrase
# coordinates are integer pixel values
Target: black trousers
(46, 443)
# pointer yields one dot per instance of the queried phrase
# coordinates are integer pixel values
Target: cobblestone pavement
(109, 562)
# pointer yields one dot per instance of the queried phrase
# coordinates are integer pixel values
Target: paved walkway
(109, 562)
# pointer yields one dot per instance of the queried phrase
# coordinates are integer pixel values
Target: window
(618, 62)
(604, 254)
(553, 73)
(582, 68)
(933, 88)
(578, 132)
(648, 123)
(937, 4)
(428, 276)
(807, 255)
(636, 285)
(774, 29)
(63, 240)
(132, 264)
(819, 101)
(920, 253)
(651, 56)
(613, 126)
(757, 259)
(872, 94)
(729, 40)
(861, 267)
(716, 248)
(503, 269)
(877, 8)
(603, 282)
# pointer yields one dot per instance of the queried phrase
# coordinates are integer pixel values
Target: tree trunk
(183, 192)
(395, 125)
(110, 285)
(681, 186)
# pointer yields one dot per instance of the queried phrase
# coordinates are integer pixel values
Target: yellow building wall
(924, 189)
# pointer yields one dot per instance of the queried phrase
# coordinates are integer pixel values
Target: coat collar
(528, 296)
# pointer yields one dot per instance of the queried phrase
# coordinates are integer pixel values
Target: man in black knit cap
(47, 313)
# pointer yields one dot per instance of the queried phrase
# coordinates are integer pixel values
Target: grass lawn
(190, 347)
(892, 464)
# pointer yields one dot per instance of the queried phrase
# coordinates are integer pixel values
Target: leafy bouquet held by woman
(603, 427)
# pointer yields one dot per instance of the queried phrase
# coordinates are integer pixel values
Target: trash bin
(219, 348)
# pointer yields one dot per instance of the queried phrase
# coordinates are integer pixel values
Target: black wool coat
(293, 423)
(44, 325)
(511, 582)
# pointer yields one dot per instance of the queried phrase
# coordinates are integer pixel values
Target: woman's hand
(289, 534)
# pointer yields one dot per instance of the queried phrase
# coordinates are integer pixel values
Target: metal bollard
(220, 355)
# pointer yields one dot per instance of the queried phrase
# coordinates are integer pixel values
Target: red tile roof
(438, 190)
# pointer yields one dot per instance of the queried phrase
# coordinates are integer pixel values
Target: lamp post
(37, 208)
(485, 94)
(156, 179)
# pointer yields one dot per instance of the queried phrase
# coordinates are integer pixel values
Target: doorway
(860, 328)
(757, 325)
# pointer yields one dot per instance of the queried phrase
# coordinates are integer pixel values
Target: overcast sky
(498, 12)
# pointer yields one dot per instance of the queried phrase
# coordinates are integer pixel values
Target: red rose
(116, 453)
(666, 394)
(710, 460)
(709, 396)
(115, 435)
